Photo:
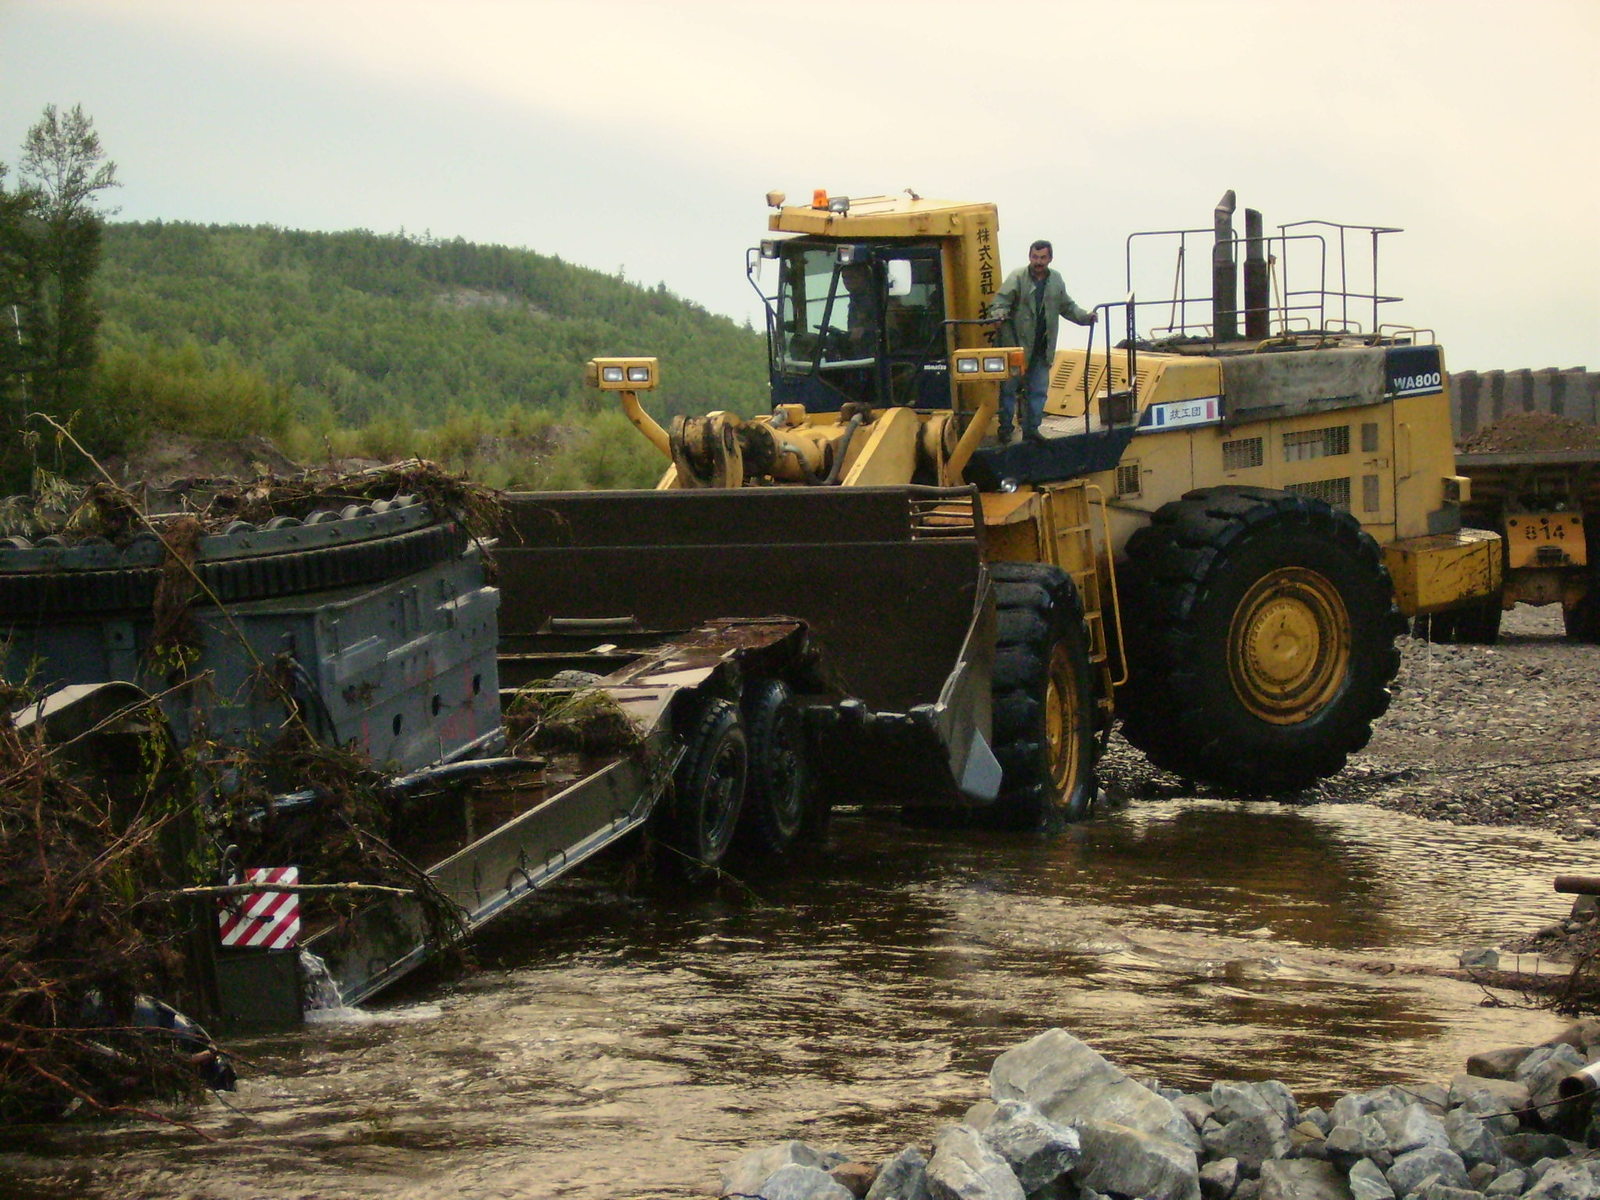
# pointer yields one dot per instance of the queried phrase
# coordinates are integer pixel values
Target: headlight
(984, 363)
(622, 374)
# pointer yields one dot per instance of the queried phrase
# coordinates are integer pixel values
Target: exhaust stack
(1224, 274)
(1257, 282)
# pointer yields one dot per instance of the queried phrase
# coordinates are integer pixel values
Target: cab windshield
(863, 323)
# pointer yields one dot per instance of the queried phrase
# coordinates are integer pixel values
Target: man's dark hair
(1041, 244)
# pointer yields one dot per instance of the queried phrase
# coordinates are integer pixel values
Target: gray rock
(749, 1171)
(1196, 1108)
(1130, 1162)
(1412, 1128)
(1472, 1139)
(1038, 1149)
(1495, 1100)
(1303, 1179)
(903, 1177)
(1233, 1099)
(1356, 1104)
(1219, 1178)
(1251, 1139)
(1567, 1180)
(1069, 1082)
(1498, 1064)
(1434, 1097)
(1361, 1137)
(1367, 1181)
(1317, 1117)
(1440, 1191)
(1530, 1147)
(1508, 1183)
(1581, 1035)
(1247, 1189)
(1479, 958)
(1540, 1166)
(1411, 1171)
(1307, 1141)
(855, 1177)
(980, 1114)
(1481, 1175)
(963, 1167)
(795, 1182)
(1545, 1068)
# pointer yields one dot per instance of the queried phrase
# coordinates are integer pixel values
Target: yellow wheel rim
(1063, 719)
(1289, 646)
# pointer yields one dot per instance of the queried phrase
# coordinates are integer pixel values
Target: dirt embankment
(1532, 432)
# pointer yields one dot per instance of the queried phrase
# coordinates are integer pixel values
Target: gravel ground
(1485, 735)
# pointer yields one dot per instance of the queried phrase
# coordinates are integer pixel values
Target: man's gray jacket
(1014, 302)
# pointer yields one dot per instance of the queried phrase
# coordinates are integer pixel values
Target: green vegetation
(385, 346)
(49, 249)
(332, 345)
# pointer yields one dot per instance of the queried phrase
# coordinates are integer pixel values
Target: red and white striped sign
(263, 920)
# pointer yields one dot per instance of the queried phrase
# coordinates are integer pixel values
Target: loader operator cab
(856, 322)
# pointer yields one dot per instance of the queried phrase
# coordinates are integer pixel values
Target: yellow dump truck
(1216, 539)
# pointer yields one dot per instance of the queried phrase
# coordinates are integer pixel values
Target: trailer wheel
(1042, 698)
(778, 788)
(708, 789)
(1479, 624)
(1259, 632)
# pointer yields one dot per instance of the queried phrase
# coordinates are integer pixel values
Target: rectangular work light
(622, 374)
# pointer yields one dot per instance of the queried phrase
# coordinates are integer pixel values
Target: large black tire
(778, 788)
(1582, 620)
(1043, 698)
(1438, 628)
(1259, 634)
(709, 786)
(1477, 624)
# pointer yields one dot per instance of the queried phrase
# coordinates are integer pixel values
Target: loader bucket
(889, 580)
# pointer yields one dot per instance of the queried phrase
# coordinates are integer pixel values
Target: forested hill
(369, 326)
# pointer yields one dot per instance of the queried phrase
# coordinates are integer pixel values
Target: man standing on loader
(1033, 299)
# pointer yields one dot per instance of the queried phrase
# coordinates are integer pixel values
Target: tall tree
(18, 312)
(56, 241)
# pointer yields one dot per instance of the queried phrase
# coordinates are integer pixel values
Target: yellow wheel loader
(1217, 538)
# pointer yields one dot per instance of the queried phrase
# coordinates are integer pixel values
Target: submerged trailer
(716, 648)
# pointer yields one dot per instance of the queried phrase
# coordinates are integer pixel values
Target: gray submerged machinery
(674, 662)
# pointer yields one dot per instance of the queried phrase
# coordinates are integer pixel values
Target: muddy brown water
(627, 1039)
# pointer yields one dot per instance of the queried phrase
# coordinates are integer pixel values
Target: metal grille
(1369, 437)
(941, 512)
(1369, 494)
(1332, 491)
(1243, 453)
(1128, 479)
(1316, 443)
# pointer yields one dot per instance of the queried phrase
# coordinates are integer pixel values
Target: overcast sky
(642, 136)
